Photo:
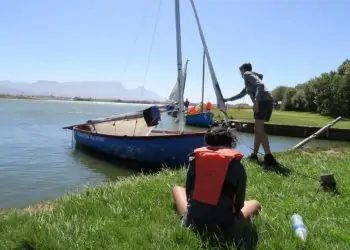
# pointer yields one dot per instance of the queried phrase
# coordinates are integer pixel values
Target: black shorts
(233, 228)
(265, 111)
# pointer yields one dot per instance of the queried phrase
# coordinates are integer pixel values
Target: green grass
(286, 118)
(137, 212)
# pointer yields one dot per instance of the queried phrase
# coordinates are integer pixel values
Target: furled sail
(175, 95)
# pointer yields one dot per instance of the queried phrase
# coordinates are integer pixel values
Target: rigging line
(139, 29)
(152, 44)
(151, 48)
(240, 141)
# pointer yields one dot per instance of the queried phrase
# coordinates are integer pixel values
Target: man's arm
(259, 92)
(239, 96)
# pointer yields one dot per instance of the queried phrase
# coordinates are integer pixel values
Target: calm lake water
(38, 163)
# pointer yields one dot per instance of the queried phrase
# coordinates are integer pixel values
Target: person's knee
(256, 204)
(175, 192)
(259, 126)
(176, 189)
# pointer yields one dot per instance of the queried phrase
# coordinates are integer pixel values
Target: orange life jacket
(211, 168)
(208, 106)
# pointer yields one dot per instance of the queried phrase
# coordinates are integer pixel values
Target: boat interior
(128, 127)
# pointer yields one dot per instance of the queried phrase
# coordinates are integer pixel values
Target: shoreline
(74, 99)
(332, 134)
(137, 211)
(299, 131)
(91, 100)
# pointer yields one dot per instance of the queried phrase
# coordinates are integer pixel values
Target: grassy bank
(286, 118)
(137, 212)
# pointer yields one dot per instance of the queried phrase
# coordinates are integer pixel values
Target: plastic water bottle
(299, 227)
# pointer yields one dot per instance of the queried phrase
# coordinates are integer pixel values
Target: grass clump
(286, 118)
(137, 212)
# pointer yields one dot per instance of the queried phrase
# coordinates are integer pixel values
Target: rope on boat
(150, 50)
(239, 140)
(152, 44)
(135, 127)
(140, 26)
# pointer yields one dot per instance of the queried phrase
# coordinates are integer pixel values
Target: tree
(324, 93)
(340, 105)
(344, 68)
(278, 92)
(298, 100)
(310, 96)
(327, 94)
(287, 99)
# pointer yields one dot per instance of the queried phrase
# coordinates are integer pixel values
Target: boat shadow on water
(127, 167)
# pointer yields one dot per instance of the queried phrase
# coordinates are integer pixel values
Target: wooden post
(317, 133)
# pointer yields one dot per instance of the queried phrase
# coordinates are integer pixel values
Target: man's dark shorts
(265, 111)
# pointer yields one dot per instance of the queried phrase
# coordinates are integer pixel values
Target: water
(37, 162)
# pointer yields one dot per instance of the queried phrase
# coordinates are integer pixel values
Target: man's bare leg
(269, 160)
(264, 140)
(179, 196)
(257, 141)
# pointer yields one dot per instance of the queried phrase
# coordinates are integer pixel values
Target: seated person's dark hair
(220, 136)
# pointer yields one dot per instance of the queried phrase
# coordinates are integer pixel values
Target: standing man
(186, 103)
(262, 107)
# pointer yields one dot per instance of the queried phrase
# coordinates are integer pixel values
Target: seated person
(213, 200)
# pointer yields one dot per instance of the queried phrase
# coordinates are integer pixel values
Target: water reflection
(108, 166)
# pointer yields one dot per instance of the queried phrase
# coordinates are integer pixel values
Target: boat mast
(185, 74)
(180, 77)
(203, 78)
(219, 97)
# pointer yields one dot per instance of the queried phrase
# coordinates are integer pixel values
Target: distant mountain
(84, 89)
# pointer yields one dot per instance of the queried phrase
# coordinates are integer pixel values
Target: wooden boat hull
(160, 147)
(204, 119)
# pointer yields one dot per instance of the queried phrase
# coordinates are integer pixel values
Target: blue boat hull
(200, 120)
(168, 147)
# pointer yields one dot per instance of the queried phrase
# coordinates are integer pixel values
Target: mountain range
(84, 89)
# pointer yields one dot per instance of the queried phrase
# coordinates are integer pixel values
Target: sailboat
(200, 118)
(133, 137)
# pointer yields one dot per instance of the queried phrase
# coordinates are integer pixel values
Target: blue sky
(68, 40)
